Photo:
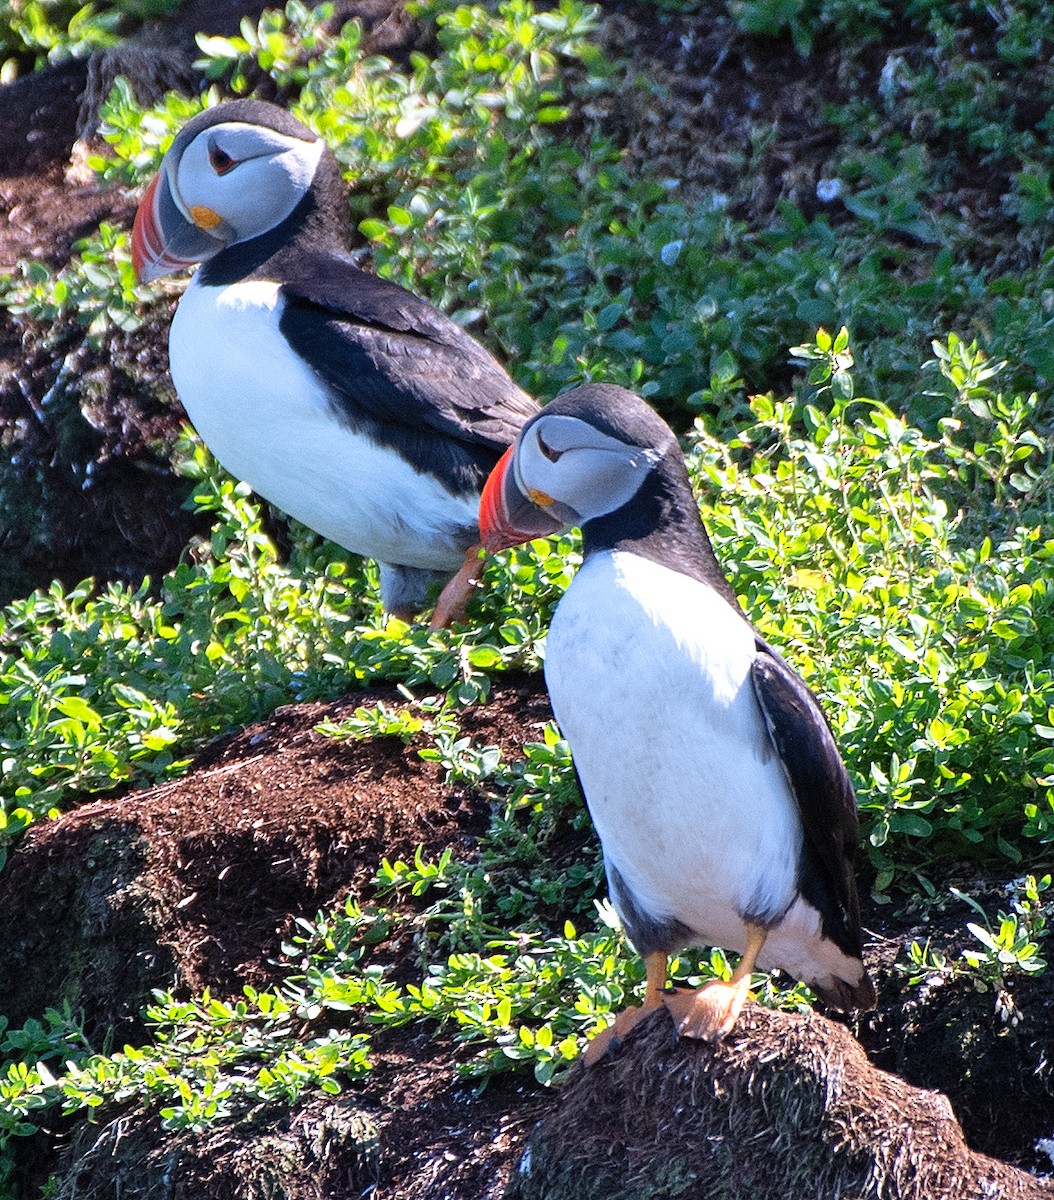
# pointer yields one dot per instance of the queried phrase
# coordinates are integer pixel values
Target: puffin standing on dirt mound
(345, 400)
(724, 810)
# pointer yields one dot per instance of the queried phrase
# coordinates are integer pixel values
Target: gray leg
(404, 590)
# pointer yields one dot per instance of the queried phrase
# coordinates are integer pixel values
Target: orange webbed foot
(629, 1018)
(608, 1039)
(708, 1013)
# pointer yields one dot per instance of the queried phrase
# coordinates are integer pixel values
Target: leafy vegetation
(858, 544)
(36, 32)
(97, 289)
(210, 1061)
(470, 187)
(884, 514)
(1000, 951)
(102, 688)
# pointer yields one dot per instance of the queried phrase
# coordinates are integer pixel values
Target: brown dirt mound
(987, 1047)
(325, 1149)
(787, 1107)
(195, 883)
(406, 1133)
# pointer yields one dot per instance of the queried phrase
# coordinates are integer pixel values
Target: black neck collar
(662, 523)
(319, 221)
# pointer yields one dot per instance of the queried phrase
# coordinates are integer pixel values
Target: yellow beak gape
(542, 499)
(204, 217)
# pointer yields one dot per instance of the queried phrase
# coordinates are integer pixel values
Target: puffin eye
(220, 161)
(551, 454)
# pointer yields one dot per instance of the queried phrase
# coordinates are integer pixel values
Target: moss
(325, 1148)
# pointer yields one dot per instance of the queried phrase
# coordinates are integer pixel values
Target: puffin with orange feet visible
(724, 810)
(347, 401)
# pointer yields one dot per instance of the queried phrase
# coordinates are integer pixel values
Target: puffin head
(585, 455)
(233, 172)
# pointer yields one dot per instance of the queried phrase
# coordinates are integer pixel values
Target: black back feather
(398, 370)
(825, 798)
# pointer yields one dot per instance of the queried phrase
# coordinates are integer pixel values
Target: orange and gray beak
(164, 240)
(507, 517)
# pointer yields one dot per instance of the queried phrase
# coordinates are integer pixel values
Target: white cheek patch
(603, 481)
(586, 472)
(271, 175)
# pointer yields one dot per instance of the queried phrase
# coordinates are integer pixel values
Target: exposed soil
(196, 884)
(205, 875)
(787, 1106)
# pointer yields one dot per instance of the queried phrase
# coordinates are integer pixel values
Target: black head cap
(249, 112)
(619, 413)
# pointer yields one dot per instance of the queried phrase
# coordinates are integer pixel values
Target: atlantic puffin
(723, 808)
(341, 397)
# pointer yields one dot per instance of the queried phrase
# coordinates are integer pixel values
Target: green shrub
(36, 32)
(473, 188)
(100, 688)
(928, 642)
(210, 1061)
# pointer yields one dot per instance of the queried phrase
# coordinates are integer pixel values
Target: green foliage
(1000, 953)
(97, 288)
(529, 999)
(417, 876)
(1017, 29)
(101, 688)
(209, 1061)
(1014, 945)
(288, 44)
(832, 363)
(520, 871)
(472, 188)
(140, 139)
(992, 438)
(37, 32)
(375, 722)
(927, 641)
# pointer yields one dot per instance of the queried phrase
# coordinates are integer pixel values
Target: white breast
(269, 420)
(649, 674)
